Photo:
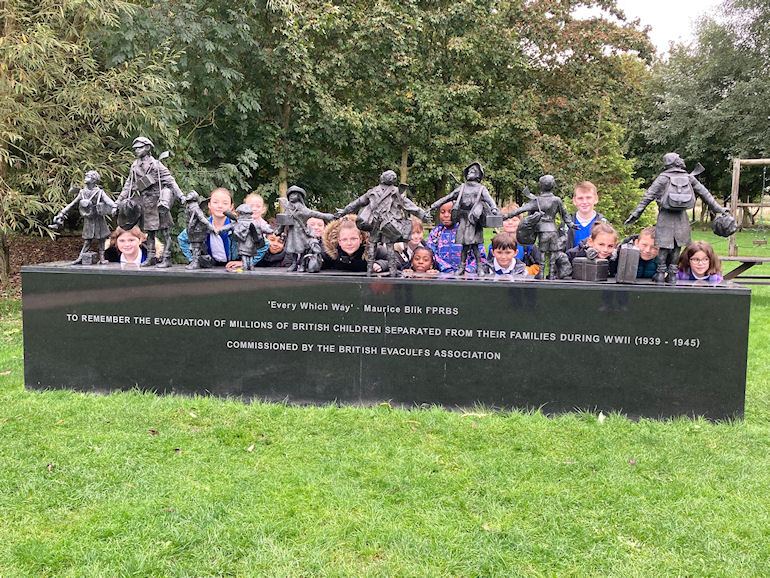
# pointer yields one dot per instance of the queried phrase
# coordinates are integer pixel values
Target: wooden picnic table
(747, 263)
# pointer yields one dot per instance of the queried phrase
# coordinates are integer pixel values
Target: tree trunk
(283, 170)
(5, 260)
(404, 163)
(283, 178)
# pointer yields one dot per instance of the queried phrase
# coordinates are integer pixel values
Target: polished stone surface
(643, 350)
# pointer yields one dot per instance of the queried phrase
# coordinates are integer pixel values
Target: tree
(64, 110)
(710, 98)
(612, 173)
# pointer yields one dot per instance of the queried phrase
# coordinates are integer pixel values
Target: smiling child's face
(317, 226)
(218, 204)
(128, 244)
(422, 261)
(604, 243)
(416, 238)
(646, 246)
(505, 257)
(349, 240)
(699, 263)
(585, 201)
(257, 206)
(276, 244)
(511, 225)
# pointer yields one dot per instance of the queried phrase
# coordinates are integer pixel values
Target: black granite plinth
(643, 350)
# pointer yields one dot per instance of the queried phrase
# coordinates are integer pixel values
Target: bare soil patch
(30, 250)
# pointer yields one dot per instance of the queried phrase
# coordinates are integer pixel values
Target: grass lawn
(137, 484)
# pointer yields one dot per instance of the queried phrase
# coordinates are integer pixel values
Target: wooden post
(733, 249)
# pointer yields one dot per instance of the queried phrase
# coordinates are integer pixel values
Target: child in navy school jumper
(530, 254)
(504, 261)
(584, 198)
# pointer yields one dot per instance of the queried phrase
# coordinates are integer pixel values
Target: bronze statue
(674, 190)
(94, 205)
(198, 228)
(472, 205)
(547, 205)
(300, 240)
(383, 212)
(157, 190)
(249, 234)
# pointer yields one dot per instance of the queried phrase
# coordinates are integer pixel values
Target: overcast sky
(670, 20)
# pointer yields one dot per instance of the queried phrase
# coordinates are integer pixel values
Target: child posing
(699, 262)
(504, 261)
(258, 208)
(648, 252)
(584, 197)
(345, 248)
(126, 246)
(601, 243)
(276, 251)
(405, 251)
(530, 254)
(422, 261)
(441, 241)
(220, 245)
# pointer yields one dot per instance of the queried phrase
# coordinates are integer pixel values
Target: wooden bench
(747, 263)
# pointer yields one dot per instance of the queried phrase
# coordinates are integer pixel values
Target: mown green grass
(137, 484)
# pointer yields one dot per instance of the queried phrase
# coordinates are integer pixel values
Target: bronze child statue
(472, 204)
(198, 228)
(300, 240)
(249, 234)
(548, 205)
(94, 205)
(384, 212)
(158, 191)
(674, 190)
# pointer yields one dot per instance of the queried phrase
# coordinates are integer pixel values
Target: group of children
(344, 246)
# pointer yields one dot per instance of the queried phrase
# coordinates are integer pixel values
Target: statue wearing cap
(384, 211)
(93, 205)
(472, 204)
(551, 241)
(674, 191)
(293, 227)
(151, 182)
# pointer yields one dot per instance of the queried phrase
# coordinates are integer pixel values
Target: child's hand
(377, 268)
(233, 265)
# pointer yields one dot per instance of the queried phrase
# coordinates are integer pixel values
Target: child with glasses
(699, 262)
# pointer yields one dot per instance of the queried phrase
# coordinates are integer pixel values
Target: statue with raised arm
(548, 206)
(293, 227)
(384, 212)
(152, 182)
(249, 234)
(472, 204)
(674, 191)
(94, 205)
